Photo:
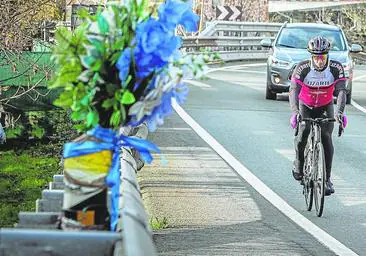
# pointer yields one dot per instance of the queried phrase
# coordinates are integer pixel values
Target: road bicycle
(314, 165)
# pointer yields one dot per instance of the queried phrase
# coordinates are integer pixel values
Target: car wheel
(270, 95)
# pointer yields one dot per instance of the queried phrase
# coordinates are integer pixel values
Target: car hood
(296, 55)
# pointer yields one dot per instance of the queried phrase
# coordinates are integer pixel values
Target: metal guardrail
(233, 40)
(239, 40)
(360, 58)
(37, 232)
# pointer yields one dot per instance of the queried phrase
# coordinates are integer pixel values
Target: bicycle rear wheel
(307, 180)
(319, 179)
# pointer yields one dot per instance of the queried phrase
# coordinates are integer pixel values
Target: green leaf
(107, 104)
(37, 131)
(97, 65)
(92, 119)
(85, 76)
(64, 100)
(85, 100)
(79, 127)
(87, 61)
(103, 25)
(128, 98)
(123, 113)
(115, 118)
(83, 13)
(78, 116)
(115, 57)
(97, 44)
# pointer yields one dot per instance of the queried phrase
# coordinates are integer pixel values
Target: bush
(22, 178)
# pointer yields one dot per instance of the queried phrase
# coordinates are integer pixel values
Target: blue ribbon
(111, 141)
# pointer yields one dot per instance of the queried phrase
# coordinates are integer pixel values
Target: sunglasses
(320, 57)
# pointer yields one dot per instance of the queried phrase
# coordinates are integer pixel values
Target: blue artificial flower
(151, 34)
(123, 64)
(170, 12)
(160, 112)
(174, 12)
(189, 21)
(155, 46)
(146, 63)
(181, 93)
(166, 50)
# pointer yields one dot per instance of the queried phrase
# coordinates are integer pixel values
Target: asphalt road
(230, 105)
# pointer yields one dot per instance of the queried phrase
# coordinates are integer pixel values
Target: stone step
(56, 194)
(48, 205)
(56, 185)
(58, 178)
(38, 218)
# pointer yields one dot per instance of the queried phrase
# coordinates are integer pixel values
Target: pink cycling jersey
(317, 87)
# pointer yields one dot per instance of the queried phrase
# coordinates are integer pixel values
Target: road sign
(228, 13)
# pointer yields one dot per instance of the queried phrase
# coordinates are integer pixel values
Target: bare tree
(350, 17)
(23, 73)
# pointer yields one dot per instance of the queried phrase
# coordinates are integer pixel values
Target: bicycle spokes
(319, 180)
(307, 182)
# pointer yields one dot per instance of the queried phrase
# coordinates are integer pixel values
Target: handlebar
(320, 120)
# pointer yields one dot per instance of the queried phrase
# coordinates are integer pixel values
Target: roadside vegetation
(28, 161)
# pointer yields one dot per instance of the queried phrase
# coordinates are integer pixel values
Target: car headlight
(347, 68)
(275, 62)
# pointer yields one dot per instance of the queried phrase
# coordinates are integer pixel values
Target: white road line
(354, 103)
(197, 83)
(254, 87)
(245, 71)
(358, 78)
(173, 129)
(354, 135)
(186, 148)
(287, 153)
(323, 237)
(263, 133)
(236, 66)
(359, 107)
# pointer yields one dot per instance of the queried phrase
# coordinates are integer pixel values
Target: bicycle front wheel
(307, 180)
(319, 179)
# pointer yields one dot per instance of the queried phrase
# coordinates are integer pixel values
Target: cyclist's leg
(300, 142)
(327, 129)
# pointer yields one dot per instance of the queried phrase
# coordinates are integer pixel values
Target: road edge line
(318, 233)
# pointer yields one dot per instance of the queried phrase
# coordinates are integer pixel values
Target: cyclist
(313, 83)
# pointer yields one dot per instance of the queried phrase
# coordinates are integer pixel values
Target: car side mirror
(266, 42)
(355, 48)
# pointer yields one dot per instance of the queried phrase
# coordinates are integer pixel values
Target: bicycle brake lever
(340, 130)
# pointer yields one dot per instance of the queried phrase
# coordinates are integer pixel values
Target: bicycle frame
(314, 181)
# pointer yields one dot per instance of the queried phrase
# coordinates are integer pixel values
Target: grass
(22, 178)
(159, 223)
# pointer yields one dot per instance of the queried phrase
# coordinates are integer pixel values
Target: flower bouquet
(121, 67)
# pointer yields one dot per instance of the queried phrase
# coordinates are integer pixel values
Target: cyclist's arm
(294, 96)
(297, 77)
(340, 85)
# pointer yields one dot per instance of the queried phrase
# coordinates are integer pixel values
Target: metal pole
(201, 18)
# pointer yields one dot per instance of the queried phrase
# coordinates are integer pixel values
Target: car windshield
(299, 37)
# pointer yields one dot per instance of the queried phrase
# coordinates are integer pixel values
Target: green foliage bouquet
(123, 67)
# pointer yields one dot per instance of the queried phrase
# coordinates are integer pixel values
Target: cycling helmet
(318, 45)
